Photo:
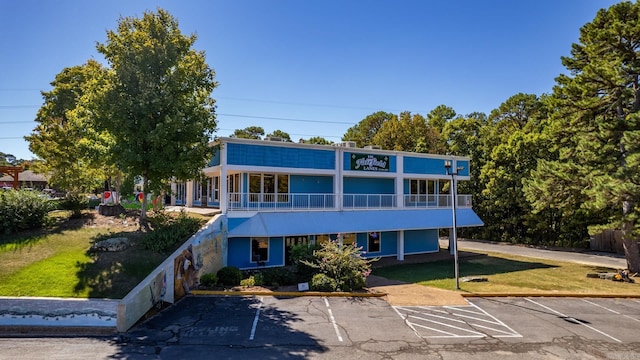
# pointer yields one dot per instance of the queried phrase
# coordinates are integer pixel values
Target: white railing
(291, 201)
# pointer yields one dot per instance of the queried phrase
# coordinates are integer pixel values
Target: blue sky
(325, 64)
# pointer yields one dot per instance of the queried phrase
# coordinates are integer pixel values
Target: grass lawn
(55, 262)
(509, 274)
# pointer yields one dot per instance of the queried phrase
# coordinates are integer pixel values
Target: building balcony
(333, 202)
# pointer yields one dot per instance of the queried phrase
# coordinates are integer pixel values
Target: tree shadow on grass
(27, 238)
(482, 265)
(112, 274)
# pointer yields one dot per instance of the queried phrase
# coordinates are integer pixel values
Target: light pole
(447, 165)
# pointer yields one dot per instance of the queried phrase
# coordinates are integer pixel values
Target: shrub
(229, 275)
(22, 210)
(75, 202)
(250, 281)
(321, 282)
(300, 254)
(209, 280)
(169, 232)
(278, 276)
(344, 264)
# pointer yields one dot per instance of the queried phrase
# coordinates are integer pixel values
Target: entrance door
(289, 242)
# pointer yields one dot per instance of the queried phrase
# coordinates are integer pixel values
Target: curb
(560, 295)
(19, 331)
(284, 293)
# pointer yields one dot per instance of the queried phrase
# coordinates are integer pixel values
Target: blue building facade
(276, 194)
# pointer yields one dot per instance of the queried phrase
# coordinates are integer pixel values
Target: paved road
(593, 258)
(346, 328)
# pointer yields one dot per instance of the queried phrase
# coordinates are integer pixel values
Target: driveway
(593, 258)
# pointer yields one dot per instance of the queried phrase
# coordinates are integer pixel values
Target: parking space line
(255, 320)
(613, 311)
(333, 320)
(450, 335)
(498, 322)
(572, 319)
(600, 306)
(445, 325)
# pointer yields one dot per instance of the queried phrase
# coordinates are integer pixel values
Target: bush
(344, 264)
(168, 232)
(22, 210)
(209, 280)
(75, 202)
(321, 282)
(250, 281)
(230, 276)
(300, 255)
(278, 276)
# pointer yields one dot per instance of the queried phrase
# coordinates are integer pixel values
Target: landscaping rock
(113, 244)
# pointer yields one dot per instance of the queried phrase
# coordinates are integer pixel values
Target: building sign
(368, 162)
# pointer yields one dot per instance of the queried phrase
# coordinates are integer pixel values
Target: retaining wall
(203, 253)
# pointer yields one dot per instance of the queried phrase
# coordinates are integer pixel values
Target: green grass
(55, 262)
(509, 274)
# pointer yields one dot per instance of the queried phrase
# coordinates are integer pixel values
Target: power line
(239, 116)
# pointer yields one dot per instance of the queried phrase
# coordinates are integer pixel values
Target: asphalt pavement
(90, 316)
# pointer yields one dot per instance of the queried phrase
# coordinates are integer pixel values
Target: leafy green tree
(251, 132)
(513, 144)
(7, 159)
(597, 132)
(73, 153)
(401, 132)
(159, 108)
(281, 134)
(317, 140)
(363, 133)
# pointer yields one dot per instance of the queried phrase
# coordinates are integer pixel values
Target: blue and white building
(275, 194)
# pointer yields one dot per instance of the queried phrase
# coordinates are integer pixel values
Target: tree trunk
(143, 210)
(629, 242)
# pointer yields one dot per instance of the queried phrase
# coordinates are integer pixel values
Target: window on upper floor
(422, 190)
(268, 187)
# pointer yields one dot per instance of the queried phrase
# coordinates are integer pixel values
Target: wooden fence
(608, 241)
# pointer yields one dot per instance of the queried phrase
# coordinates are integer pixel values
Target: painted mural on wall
(158, 289)
(204, 255)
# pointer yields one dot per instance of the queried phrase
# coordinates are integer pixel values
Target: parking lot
(317, 322)
(349, 328)
(531, 320)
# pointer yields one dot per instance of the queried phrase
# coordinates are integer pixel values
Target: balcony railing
(293, 202)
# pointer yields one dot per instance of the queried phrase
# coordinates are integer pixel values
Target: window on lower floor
(374, 242)
(259, 249)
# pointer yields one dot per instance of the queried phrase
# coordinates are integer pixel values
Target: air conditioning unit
(373, 147)
(272, 138)
(349, 144)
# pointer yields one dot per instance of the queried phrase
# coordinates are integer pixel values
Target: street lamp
(447, 165)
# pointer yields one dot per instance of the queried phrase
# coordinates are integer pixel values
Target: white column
(337, 178)
(224, 186)
(400, 255)
(189, 194)
(174, 188)
(400, 181)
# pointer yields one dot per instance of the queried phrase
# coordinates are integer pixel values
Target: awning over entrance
(331, 222)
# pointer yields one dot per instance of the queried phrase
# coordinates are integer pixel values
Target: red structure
(13, 171)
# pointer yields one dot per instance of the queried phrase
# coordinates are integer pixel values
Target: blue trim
(215, 160)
